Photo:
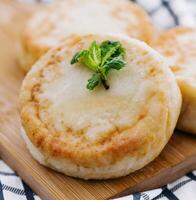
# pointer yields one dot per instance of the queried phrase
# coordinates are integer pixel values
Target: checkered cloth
(165, 14)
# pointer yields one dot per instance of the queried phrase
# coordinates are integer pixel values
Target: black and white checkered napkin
(165, 14)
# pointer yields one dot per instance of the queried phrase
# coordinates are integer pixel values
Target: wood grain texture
(178, 158)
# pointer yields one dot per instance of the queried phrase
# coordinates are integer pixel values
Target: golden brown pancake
(98, 134)
(50, 25)
(178, 45)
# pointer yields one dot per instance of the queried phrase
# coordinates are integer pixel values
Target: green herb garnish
(101, 59)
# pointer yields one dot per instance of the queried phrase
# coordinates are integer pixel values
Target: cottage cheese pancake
(178, 45)
(98, 134)
(54, 22)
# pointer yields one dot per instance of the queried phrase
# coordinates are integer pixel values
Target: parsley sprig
(101, 59)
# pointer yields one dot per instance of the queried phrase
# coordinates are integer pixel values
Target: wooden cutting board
(178, 158)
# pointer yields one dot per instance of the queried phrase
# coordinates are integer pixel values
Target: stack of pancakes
(103, 134)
